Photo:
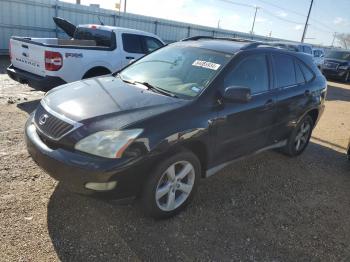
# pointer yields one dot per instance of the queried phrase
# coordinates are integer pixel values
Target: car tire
(299, 138)
(347, 77)
(172, 185)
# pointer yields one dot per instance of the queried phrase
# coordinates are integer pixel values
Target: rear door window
(132, 43)
(284, 70)
(151, 43)
(251, 72)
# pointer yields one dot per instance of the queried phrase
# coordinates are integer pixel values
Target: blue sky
(283, 18)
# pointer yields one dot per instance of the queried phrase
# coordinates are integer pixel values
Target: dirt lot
(266, 208)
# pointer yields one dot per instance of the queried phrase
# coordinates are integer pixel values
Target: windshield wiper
(156, 89)
(124, 80)
(149, 86)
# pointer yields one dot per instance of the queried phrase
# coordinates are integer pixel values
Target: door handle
(130, 57)
(307, 92)
(269, 103)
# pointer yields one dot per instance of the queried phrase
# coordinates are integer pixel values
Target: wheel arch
(96, 70)
(314, 115)
(198, 148)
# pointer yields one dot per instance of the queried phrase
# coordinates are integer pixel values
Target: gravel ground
(266, 208)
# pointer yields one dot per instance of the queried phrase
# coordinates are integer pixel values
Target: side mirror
(237, 94)
(321, 55)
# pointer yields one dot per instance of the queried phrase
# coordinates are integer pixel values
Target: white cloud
(281, 14)
(298, 27)
(261, 20)
(340, 21)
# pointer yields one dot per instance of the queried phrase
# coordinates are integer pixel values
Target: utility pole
(78, 2)
(334, 36)
(219, 23)
(256, 10)
(307, 22)
(124, 6)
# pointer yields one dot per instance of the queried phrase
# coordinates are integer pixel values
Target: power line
(295, 12)
(281, 18)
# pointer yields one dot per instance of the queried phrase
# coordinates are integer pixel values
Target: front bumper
(333, 73)
(44, 83)
(74, 169)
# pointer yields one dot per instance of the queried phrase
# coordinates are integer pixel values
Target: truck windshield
(182, 70)
(339, 55)
(101, 37)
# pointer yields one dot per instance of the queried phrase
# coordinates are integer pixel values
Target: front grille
(50, 125)
(331, 65)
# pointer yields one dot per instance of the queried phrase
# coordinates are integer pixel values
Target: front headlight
(109, 143)
(343, 67)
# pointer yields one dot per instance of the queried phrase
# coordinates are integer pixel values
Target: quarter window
(284, 70)
(308, 74)
(252, 72)
(299, 75)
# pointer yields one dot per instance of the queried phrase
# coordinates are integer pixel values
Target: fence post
(56, 15)
(156, 27)
(188, 31)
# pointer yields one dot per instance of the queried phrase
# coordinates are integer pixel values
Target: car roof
(289, 43)
(229, 46)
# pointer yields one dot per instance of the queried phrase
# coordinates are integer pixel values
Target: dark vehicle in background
(178, 114)
(348, 151)
(296, 47)
(337, 65)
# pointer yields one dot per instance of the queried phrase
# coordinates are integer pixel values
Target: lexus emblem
(42, 119)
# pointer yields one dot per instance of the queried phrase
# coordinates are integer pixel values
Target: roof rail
(194, 38)
(255, 45)
(250, 45)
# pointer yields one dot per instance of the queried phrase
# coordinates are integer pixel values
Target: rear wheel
(300, 137)
(172, 185)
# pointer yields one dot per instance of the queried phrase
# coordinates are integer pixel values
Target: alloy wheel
(302, 136)
(175, 185)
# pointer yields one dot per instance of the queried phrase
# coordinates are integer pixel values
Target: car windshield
(339, 55)
(181, 70)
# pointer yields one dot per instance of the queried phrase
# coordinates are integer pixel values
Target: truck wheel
(172, 185)
(300, 137)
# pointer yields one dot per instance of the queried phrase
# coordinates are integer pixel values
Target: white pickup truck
(92, 50)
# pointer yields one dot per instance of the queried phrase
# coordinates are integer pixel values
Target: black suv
(183, 112)
(337, 65)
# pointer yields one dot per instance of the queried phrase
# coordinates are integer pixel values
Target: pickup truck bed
(91, 51)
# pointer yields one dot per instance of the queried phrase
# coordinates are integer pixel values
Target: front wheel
(347, 77)
(172, 185)
(300, 137)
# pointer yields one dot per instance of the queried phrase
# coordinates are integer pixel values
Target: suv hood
(107, 97)
(339, 61)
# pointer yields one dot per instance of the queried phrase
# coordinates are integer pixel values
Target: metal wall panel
(34, 18)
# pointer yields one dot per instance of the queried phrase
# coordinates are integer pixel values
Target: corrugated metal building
(34, 18)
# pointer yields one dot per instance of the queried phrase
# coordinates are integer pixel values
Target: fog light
(101, 186)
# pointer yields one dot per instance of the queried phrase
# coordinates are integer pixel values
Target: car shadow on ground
(29, 106)
(337, 93)
(266, 207)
